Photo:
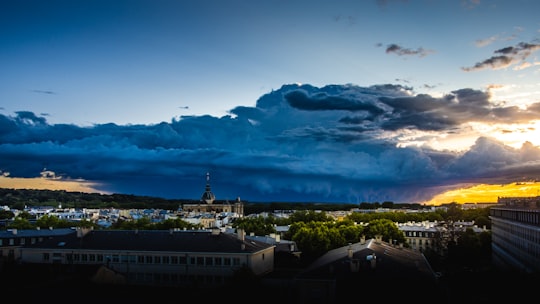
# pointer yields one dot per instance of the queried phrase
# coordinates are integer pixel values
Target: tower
(208, 196)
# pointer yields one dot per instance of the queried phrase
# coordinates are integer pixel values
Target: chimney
(241, 234)
(82, 231)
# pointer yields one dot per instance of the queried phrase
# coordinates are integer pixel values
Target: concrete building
(13, 239)
(155, 257)
(515, 234)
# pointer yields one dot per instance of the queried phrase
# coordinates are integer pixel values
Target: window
(46, 256)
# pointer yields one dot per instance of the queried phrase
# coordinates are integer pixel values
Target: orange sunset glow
(486, 193)
(39, 183)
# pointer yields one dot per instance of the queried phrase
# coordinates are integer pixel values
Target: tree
(387, 229)
(20, 223)
(6, 214)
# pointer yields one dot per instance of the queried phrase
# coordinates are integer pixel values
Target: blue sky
(279, 100)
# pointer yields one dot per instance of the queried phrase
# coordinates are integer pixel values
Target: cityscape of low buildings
(215, 253)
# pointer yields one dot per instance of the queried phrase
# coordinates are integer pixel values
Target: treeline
(21, 198)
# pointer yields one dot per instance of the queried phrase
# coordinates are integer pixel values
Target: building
(155, 257)
(515, 234)
(13, 239)
(208, 203)
(370, 267)
(421, 236)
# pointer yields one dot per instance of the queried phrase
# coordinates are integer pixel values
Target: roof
(25, 233)
(374, 260)
(155, 240)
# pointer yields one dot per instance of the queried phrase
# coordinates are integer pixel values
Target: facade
(208, 204)
(156, 257)
(515, 238)
(423, 236)
(13, 239)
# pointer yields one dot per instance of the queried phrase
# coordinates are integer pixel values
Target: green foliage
(257, 225)
(395, 216)
(309, 216)
(6, 214)
(387, 229)
(145, 223)
(20, 223)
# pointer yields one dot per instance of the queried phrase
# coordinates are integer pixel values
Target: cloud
(341, 143)
(506, 57)
(44, 92)
(401, 51)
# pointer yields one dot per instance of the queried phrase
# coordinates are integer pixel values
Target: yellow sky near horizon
(40, 183)
(486, 193)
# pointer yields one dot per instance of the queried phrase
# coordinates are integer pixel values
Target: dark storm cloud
(401, 51)
(506, 57)
(299, 143)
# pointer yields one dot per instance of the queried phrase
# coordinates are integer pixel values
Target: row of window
(22, 241)
(420, 234)
(143, 259)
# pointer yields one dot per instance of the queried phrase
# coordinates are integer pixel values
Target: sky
(282, 100)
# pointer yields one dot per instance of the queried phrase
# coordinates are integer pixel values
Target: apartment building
(515, 234)
(156, 257)
(13, 239)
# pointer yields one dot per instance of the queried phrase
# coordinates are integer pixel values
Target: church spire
(208, 196)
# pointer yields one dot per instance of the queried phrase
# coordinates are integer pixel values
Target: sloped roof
(25, 233)
(390, 262)
(155, 240)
